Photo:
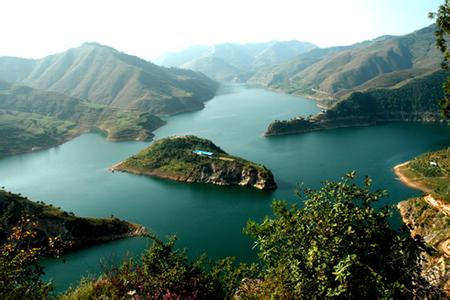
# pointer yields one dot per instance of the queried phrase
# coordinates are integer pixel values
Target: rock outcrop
(174, 158)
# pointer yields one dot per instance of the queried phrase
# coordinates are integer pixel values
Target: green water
(209, 218)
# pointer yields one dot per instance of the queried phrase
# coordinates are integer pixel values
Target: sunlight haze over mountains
(151, 28)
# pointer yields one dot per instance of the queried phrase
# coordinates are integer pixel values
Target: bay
(209, 218)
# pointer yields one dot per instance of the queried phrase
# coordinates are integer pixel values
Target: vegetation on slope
(430, 172)
(34, 119)
(25, 132)
(415, 100)
(104, 75)
(30, 230)
(173, 158)
(53, 222)
(335, 243)
(329, 73)
(429, 216)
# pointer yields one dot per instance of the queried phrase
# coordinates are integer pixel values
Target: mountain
(413, 100)
(234, 62)
(332, 73)
(32, 119)
(103, 75)
(15, 69)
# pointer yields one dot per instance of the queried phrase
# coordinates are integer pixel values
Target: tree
(20, 272)
(338, 245)
(166, 273)
(443, 29)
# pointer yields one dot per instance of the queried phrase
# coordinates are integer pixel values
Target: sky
(149, 28)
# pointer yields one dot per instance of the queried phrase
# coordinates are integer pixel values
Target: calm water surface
(209, 218)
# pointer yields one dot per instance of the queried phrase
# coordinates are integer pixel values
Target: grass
(174, 157)
(32, 118)
(21, 132)
(434, 177)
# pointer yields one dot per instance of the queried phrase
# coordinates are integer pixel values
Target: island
(53, 222)
(194, 159)
(428, 216)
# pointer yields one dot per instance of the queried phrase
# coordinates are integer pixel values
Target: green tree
(166, 273)
(338, 245)
(20, 272)
(442, 17)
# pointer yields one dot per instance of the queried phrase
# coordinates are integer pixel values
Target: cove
(209, 218)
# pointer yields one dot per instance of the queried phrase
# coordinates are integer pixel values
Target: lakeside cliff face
(427, 222)
(428, 216)
(415, 101)
(54, 222)
(173, 158)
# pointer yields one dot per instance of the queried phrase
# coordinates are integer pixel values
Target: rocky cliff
(428, 216)
(174, 158)
(430, 223)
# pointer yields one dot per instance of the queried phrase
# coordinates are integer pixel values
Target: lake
(209, 218)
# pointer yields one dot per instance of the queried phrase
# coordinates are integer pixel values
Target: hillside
(174, 158)
(414, 100)
(234, 62)
(428, 216)
(103, 75)
(32, 119)
(334, 72)
(54, 222)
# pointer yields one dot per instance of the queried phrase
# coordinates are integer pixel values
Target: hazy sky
(148, 28)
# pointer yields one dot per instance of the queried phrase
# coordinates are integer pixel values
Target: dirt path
(438, 204)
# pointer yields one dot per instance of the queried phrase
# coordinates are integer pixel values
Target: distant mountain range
(46, 101)
(333, 73)
(386, 79)
(234, 62)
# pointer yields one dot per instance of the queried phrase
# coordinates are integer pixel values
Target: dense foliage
(166, 273)
(443, 29)
(416, 100)
(19, 268)
(53, 221)
(338, 245)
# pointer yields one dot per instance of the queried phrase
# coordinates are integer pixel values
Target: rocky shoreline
(173, 158)
(53, 222)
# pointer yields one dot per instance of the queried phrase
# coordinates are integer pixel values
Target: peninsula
(428, 216)
(193, 159)
(54, 222)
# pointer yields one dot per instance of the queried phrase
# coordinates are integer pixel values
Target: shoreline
(408, 181)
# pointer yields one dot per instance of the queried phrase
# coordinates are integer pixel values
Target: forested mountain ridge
(414, 100)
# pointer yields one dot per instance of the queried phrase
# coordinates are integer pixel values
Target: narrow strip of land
(411, 182)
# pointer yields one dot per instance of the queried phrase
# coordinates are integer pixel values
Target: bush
(337, 245)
